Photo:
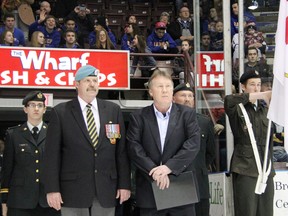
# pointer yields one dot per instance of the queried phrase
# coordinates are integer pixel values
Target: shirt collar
(30, 126)
(83, 104)
(160, 114)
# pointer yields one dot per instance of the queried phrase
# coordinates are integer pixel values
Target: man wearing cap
(159, 41)
(183, 94)
(250, 199)
(22, 186)
(86, 164)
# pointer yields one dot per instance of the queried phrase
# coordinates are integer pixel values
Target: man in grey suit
(86, 170)
(183, 94)
(163, 140)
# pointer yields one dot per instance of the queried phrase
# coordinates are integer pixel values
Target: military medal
(112, 132)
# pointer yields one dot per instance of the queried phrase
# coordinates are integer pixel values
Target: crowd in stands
(77, 26)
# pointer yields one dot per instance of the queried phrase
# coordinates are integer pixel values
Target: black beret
(249, 75)
(33, 96)
(182, 87)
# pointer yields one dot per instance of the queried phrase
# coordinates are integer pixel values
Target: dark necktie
(92, 130)
(35, 133)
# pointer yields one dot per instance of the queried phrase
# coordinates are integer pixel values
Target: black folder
(182, 191)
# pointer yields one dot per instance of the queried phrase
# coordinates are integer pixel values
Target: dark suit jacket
(205, 156)
(181, 146)
(74, 168)
(23, 156)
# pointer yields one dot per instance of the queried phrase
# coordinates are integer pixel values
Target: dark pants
(187, 210)
(33, 212)
(202, 208)
(246, 202)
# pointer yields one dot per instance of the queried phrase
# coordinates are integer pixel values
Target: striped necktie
(92, 130)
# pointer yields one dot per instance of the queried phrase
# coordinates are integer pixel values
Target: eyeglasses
(32, 105)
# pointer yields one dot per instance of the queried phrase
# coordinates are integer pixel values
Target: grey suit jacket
(181, 146)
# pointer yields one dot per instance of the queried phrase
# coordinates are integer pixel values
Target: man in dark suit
(183, 94)
(86, 170)
(22, 186)
(163, 140)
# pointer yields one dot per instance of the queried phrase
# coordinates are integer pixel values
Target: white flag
(279, 102)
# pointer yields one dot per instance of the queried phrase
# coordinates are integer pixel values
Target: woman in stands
(147, 63)
(102, 22)
(7, 38)
(102, 40)
(37, 39)
(127, 38)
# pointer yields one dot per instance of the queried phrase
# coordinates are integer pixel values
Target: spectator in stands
(131, 18)
(253, 38)
(146, 63)
(253, 64)
(37, 39)
(84, 22)
(212, 27)
(7, 38)
(52, 35)
(217, 38)
(71, 40)
(9, 24)
(100, 23)
(161, 42)
(206, 42)
(127, 39)
(69, 24)
(44, 6)
(164, 17)
(186, 46)
(213, 15)
(248, 17)
(182, 28)
(102, 40)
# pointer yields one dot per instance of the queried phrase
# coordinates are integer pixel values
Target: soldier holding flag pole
(251, 163)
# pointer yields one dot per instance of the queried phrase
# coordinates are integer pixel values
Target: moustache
(91, 89)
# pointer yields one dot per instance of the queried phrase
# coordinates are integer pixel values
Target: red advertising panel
(55, 68)
(210, 70)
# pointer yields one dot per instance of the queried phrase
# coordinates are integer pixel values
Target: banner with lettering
(22, 67)
(210, 70)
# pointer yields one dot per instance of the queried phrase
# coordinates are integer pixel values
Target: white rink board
(221, 200)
